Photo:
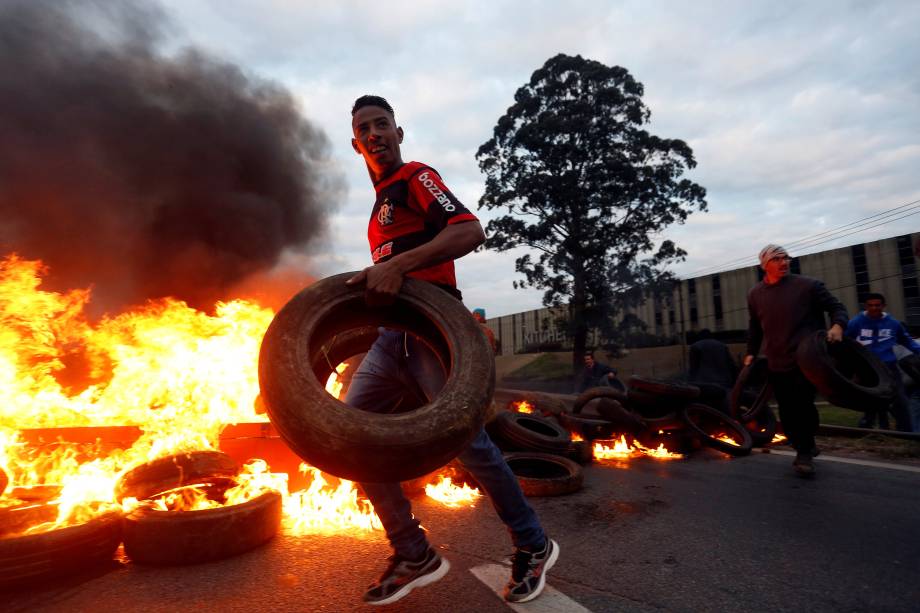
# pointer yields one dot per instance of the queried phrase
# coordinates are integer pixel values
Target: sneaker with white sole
(528, 572)
(402, 576)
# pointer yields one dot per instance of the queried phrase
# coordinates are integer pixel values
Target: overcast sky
(803, 116)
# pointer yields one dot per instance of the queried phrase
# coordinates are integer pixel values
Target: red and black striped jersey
(413, 205)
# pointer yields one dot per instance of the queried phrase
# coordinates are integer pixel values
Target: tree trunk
(579, 327)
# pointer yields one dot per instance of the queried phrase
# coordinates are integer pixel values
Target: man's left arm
(835, 309)
(906, 340)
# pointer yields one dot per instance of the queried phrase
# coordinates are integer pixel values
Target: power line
(812, 240)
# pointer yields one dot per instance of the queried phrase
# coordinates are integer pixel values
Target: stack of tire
(750, 398)
(657, 412)
(539, 451)
(158, 537)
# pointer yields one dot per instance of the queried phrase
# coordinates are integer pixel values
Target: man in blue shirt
(880, 332)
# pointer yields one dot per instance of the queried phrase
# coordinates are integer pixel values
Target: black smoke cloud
(145, 174)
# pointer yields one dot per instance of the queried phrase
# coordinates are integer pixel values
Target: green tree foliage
(588, 189)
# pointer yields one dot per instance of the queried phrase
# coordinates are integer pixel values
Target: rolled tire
(752, 392)
(762, 428)
(45, 556)
(531, 432)
(847, 373)
(597, 392)
(589, 429)
(670, 389)
(191, 537)
(910, 364)
(299, 351)
(542, 474)
(709, 423)
(169, 472)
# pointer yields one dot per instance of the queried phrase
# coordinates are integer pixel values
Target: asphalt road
(704, 534)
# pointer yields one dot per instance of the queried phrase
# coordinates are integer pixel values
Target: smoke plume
(145, 174)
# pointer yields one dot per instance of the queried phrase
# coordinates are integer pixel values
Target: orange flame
(450, 494)
(523, 406)
(576, 436)
(727, 439)
(178, 374)
(622, 450)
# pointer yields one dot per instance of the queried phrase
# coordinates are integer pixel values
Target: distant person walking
(784, 309)
(596, 374)
(880, 332)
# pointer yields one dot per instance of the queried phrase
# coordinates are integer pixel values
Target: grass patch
(546, 366)
(835, 416)
(872, 444)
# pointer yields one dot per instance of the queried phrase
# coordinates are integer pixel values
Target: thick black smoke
(145, 174)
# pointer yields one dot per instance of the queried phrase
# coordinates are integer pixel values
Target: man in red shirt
(418, 228)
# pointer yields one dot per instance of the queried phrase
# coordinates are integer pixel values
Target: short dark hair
(371, 100)
(589, 353)
(874, 296)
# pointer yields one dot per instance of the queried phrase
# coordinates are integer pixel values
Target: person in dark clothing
(784, 309)
(596, 374)
(417, 229)
(713, 369)
(880, 332)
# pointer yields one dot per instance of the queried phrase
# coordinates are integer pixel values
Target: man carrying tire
(418, 228)
(880, 332)
(784, 309)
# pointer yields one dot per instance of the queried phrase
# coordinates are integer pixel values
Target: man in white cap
(785, 308)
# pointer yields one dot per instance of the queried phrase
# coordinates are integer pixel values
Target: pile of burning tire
(29, 553)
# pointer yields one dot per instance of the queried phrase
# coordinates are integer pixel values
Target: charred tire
(669, 389)
(762, 428)
(708, 423)
(531, 432)
(162, 474)
(192, 537)
(25, 560)
(667, 423)
(543, 474)
(752, 392)
(847, 373)
(597, 392)
(300, 350)
(581, 451)
(588, 429)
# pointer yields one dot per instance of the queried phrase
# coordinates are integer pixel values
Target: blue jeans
(398, 364)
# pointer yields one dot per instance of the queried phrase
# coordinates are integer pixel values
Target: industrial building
(719, 301)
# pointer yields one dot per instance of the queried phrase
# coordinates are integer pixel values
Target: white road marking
(550, 601)
(830, 458)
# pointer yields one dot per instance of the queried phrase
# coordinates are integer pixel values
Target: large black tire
(847, 373)
(531, 432)
(597, 392)
(709, 423)
(665, 423)
(45, 556)
(191, 537)
(157, 476)
(300, 349)
(670, 389)
(589, 429)
(543, 474)
(752, 392)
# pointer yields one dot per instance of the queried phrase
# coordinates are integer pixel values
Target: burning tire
(752, 391)
(301, 348)
(542, 474)
(597, 392)
(25, 560)
(4, 481)
(191, 537)
(651, 406)
(762, 428)
(710, 424)
(847, 373)
(530, 432)
(668, 389)
(152, 478)
(541, 402)
(586, 427)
